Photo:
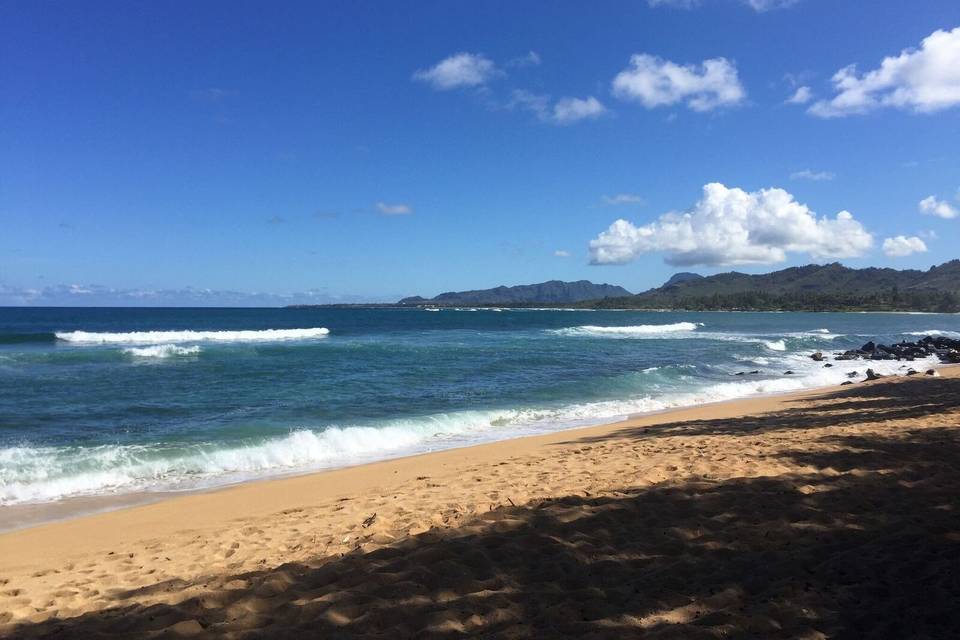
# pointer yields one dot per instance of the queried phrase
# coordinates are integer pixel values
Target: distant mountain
(548, 293)
(680, 278)
(813, 287)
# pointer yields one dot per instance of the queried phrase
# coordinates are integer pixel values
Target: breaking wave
(162, 351)
(163, 337)
(635, 330)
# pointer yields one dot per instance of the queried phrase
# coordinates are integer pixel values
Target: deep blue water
(91, 404)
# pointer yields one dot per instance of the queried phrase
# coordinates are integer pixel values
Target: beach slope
(823, 514)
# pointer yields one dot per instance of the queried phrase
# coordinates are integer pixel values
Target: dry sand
(826, 514)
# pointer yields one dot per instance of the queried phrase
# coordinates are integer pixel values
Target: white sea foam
(635, 330)
(775, 345)
(162, 351)
(164, 337)
(935, 332)
(40, 474)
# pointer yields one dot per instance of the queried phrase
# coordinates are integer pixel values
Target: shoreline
(31, 515)
(731, 408)
(707, 491)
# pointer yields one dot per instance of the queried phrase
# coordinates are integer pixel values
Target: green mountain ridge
(811, 287)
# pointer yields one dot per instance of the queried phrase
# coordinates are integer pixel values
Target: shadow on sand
(867, 546)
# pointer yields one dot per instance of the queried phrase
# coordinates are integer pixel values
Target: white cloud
(922, 80)
(532, 59)
(757, 5)
(654, 82)
(565, 111)
(770, 5)
(901, 246)
(940, 208)
(560, 253)
(730, 226)
(398, 209)
(802, 95)
(675, 4)
(816, 176)
(457, 71)
(623, 198)
(570, 110)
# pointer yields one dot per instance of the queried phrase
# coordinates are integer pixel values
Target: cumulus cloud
(802, 95)
(900, 246)
(654, 82)
(922, 80)
(398, 209)
(940, 208)
(622, 199)
(458, 71)
(564, 111)
(730, 226)
(560, 253)
(816, 176)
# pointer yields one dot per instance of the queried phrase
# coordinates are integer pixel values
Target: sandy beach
(821, 514)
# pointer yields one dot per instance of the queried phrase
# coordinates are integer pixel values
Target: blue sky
(343, 150)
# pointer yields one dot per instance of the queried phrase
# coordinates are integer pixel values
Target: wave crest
(634, 330)
(163, 337)
(162, 351)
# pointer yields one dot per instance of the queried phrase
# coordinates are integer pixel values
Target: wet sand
(821, 514)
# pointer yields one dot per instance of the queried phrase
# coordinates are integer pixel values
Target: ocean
(115, 402)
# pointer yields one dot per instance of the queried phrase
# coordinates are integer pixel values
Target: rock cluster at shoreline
(946, 349)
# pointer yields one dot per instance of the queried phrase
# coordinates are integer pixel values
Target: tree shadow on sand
(869, 550)
(902, 399)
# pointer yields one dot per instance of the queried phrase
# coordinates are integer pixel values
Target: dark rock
(931, 372)
(827, 366)
(817, 357)
(869, 347)
(853, 374)
(788, 373)
(912, 372)
(845, 383)
(872, 375)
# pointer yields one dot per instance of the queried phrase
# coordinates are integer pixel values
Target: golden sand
(826, 514)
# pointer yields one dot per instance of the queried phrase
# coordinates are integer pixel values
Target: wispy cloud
(623, 199)
(564, 111)
(395, 209)
(816, 176)
(802, 95)
(531, 59)
(759, 6)
(212, 94)
(90, 295)
(461, 70)
(570, 110)
(560, 253)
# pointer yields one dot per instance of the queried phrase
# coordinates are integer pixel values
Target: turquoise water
(116, 401)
